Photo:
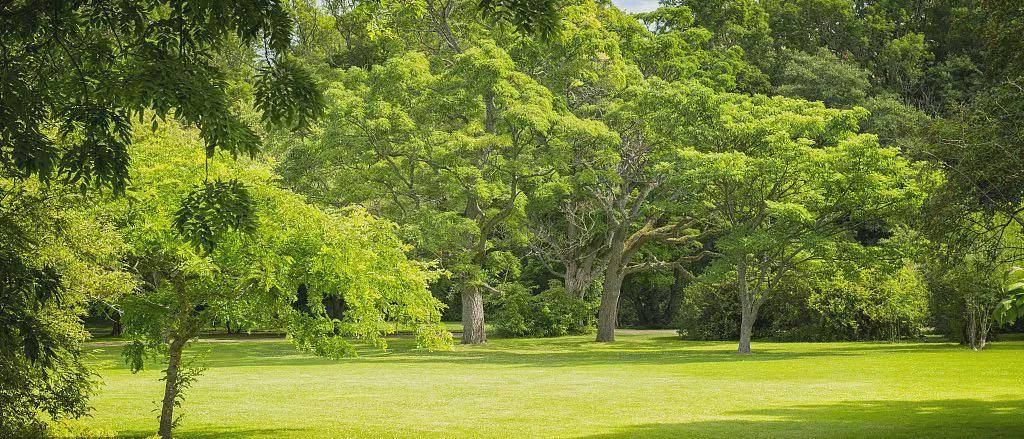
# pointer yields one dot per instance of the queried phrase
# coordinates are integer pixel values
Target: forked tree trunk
(976, 330)
(171, 386)
(473, 317)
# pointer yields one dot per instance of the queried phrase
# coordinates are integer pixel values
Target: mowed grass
(645, 385)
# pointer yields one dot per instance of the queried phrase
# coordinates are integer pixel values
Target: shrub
(871, 305)
(551, 313)
(852, 304)
(709, 312)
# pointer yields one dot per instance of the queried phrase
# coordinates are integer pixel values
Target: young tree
(73, 77)
(788, 182)
(251, 266)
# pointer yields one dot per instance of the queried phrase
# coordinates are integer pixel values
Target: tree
(73, 78)
(788, 182)
(647, 197)
(451, 155)
(277, 266)
(89, 69)
(821, 76)
(54, 252)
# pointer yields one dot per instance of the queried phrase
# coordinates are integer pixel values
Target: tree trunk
(577, 278)
(976, 330)
(473, 317)
(171, 386)
(608, 316)
(746, 329)
(748, 308)
(116, 328)
(675, 298)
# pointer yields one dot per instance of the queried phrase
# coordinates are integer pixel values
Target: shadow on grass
(552, 352)
(953, 418)
(215, 433)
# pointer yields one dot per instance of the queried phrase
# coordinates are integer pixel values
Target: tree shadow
(952, 418)
(551, 352)
(213, 433)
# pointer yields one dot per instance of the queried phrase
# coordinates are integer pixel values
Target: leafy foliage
(528, 16)
(1011, 309)
(91, 67)
(53, 253)
(216, 208)
(551, 313)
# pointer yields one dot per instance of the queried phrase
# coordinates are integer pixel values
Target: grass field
(646, 385)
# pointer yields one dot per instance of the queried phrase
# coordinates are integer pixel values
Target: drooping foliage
(282, 269)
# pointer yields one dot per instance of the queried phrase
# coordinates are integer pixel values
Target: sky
(636, 5)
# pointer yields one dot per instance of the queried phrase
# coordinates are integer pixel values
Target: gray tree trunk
(171, 386)
(473, 317)
(977, 326)
(748, 306)
(578, 276)
(608, 315)
(614, 273)
(746, 330)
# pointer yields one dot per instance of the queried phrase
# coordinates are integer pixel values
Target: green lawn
(646, 385)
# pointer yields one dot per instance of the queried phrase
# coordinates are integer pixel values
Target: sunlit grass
(647, 385)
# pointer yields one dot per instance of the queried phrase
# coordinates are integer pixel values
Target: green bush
(709, 312)
(853, 304)
(871, 305)
(551, 313)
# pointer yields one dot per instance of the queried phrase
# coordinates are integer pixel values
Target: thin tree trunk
(747, 309)
(746, 330)
(972, 328)
(675, 298)
(473, 317)
(116, 328)
(171, 386)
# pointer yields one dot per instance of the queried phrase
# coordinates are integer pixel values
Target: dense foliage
(803, 170)
(637, 146)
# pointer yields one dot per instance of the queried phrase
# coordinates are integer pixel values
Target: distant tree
(821, 76)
